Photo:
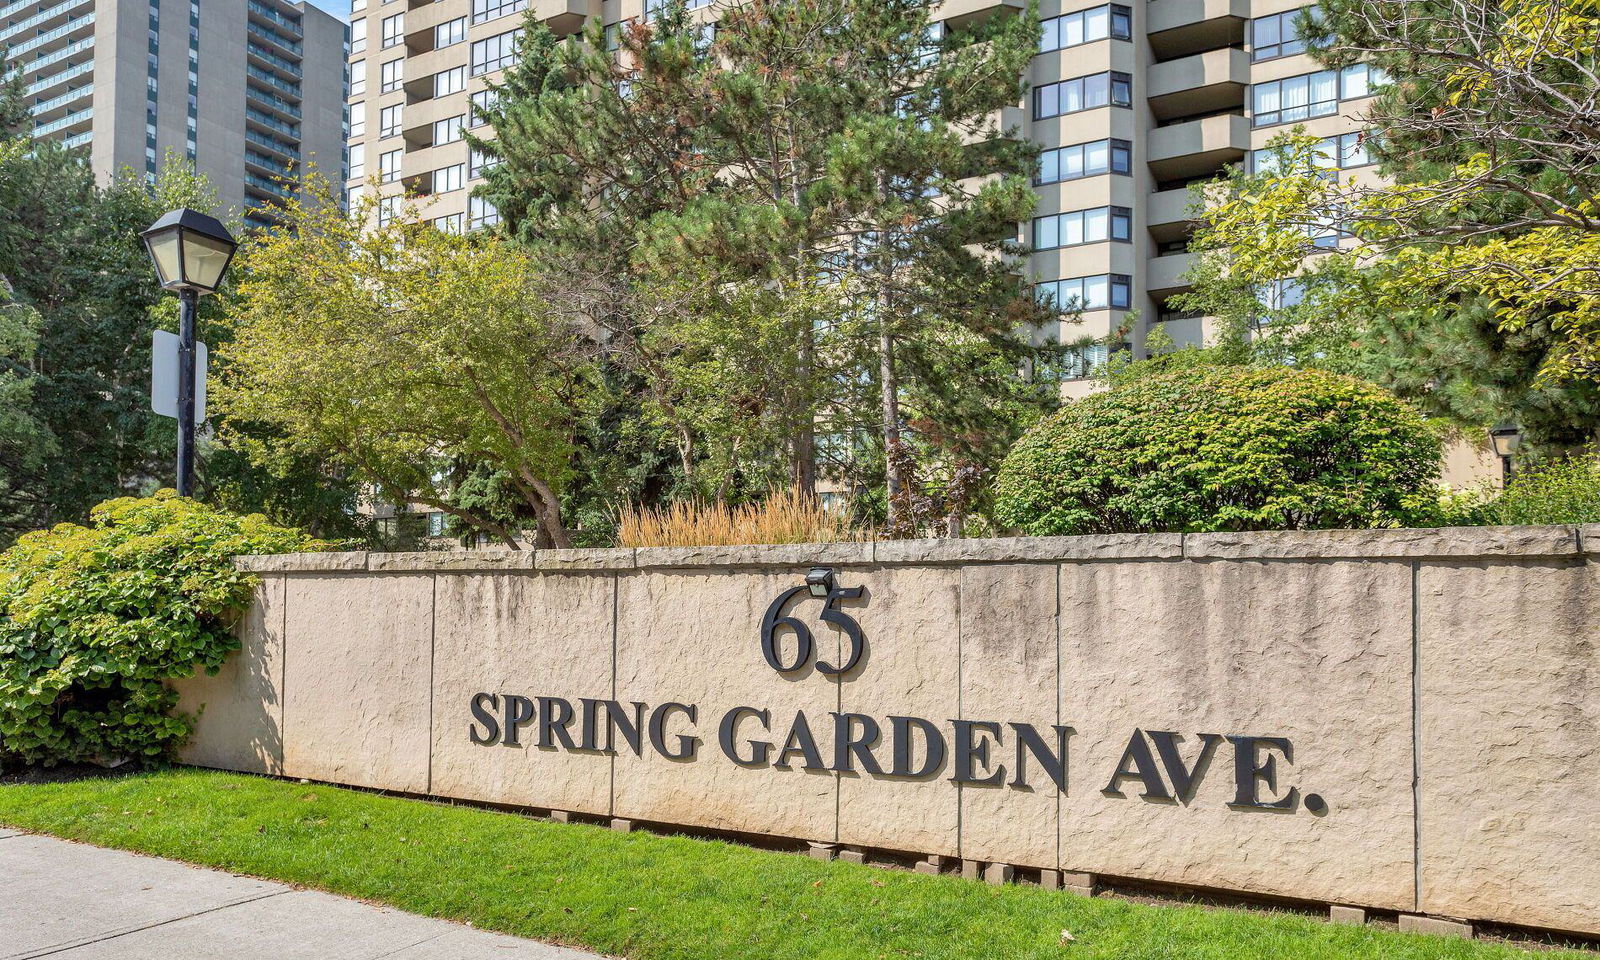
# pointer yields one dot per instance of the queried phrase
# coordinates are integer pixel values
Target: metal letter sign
(164, 376)
(776, 618)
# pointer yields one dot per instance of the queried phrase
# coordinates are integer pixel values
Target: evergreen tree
(834, 162)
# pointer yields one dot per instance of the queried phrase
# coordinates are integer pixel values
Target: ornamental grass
(784, 516)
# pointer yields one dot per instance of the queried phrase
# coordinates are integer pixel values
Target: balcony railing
(45, 129)
(270, 186)
(87, 43)
(34, 43)
(46, 83)
(262, 96)
(272, 36)
(268, 120)
(268, 13)
(43, 16)
(287, 86)
(45, 106)
(273, 143)
(287, 66)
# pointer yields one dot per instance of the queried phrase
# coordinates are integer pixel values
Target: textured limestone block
(1510, 723)
(911, 618)
(1315, 652)
(1008, 675)
(1437, 926)
(528, 635)
(357, 656)
(240, 710)
(693, 637)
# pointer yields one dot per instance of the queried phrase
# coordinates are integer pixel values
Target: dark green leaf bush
(94, 620)
(1220, 448)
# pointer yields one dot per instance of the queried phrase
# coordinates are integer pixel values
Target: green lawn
(647, 896)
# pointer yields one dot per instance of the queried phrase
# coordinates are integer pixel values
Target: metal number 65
(805, 645)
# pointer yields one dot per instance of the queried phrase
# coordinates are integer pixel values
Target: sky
(339, 8)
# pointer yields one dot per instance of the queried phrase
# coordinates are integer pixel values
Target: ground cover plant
(654, 897)
(94, 620)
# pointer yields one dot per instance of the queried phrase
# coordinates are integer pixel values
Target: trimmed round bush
(94, 620)
(1220, 448)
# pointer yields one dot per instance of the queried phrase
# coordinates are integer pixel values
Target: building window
(447, 130)
(389, 121)
(358, 160)
(358, 35)
(389, 166)
(393, 75)
(358, 78)
(450, 34)
(450, 223)
(388, 209)
(495, 53)
(1081, 362)
(1075, 227)
(481, 213)
(1278, 35)
(1082, 93)
(1112, 21)
(482, 102)
(394, 30)
(447, 179)
(1085, 160)
(1344, 152)
(1112, 291)
(446, 82)
(358, 120)
(1281, 294)
(483, 10)
(478, 163)
(1311, 95)
(356, 6)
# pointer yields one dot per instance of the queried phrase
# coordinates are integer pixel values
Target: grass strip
(652, 897)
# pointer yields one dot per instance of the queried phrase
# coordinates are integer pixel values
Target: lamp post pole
(188, 303)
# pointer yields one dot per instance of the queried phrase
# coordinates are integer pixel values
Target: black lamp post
(1506, 438)
(191, 252)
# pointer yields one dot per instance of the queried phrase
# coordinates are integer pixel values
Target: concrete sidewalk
(77, 902)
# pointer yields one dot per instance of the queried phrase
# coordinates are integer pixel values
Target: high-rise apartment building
(1130, 103)
(249, 91)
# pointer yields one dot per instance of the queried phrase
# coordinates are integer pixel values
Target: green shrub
(1220, 448)
(94, 620)
(1560, 491)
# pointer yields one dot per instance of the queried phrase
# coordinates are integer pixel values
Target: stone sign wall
(1403, 720)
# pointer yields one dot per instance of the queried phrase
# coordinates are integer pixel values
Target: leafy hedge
(94, 620)
(1220, 448)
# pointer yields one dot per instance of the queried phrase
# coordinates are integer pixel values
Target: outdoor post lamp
(1506, 438)
(819, 581)
(191, 252)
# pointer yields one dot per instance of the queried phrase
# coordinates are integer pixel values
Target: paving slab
(69, 901)
(55, 894)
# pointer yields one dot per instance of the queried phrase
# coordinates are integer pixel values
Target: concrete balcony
(565, 16)
(1202, 83)
(1198, 147)
(1167, 213)
(420, 22)
(1163, 276)
(1180, 27)
(959, 13)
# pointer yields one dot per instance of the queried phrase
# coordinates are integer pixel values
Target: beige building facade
(1130, 102)
(248, 91)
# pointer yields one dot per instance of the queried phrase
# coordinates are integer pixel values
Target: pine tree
(835, 152)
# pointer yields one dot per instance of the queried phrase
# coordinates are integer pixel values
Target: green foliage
(95, 620)
(823, 191)
(1557, 491)
(1220, 448)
